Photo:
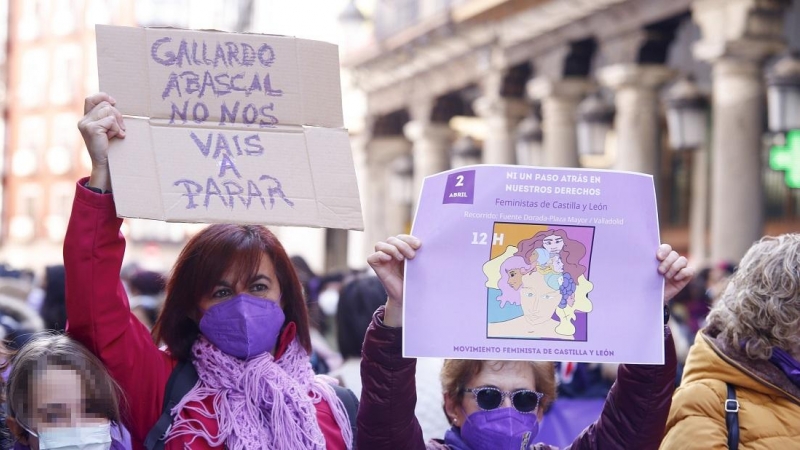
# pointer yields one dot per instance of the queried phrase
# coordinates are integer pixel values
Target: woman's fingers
(398, 247)
(684, 274)
(378, 258)
(663, 251)
(675, 269)
(412, 241)
(106, 109)
(114, 129)
(404, 246)
(95, 99)
(106, 117)
(101, 111)
(107, 125)
(680, 263)
(389, 249)
(668, 261)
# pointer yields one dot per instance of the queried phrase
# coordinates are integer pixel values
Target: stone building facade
(435, 71)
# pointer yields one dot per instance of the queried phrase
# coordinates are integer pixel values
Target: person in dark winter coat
(499, 404)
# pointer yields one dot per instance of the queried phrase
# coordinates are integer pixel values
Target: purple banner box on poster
(529, 263)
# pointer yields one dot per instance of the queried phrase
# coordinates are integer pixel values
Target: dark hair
(54, 306)
(204, 261)
(101, 395)
(309, 281)
(147, 283)
(357, 302)
(304, 272)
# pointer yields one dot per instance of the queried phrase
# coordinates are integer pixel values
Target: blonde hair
(760, 307)
(45, 351)
(456, 373)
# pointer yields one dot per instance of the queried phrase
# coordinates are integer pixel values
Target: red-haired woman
(234, 308)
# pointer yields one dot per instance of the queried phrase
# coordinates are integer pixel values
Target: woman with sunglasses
(499, 404)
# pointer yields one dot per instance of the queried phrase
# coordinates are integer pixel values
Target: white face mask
(95, 437)
(328, 301)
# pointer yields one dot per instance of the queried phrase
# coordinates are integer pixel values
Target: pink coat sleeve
(98, 313)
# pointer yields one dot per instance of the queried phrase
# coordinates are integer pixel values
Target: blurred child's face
(57, 402)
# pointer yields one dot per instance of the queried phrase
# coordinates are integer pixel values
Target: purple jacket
(634, 415)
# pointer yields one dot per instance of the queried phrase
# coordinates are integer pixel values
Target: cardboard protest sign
(225, 127)
(528, 263)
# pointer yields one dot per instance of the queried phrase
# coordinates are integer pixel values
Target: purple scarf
(258, 403)
(452, 438)
(785, 362)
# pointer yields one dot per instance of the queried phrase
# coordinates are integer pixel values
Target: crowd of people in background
(341, 305)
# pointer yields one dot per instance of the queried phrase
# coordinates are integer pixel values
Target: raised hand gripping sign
(225, 127)
(528, 263)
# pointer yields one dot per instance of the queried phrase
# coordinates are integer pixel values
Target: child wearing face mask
(61, 397)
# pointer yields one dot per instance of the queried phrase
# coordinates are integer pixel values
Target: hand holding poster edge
(389, 263)
(267, 85)
(680, 274)
(99, 126)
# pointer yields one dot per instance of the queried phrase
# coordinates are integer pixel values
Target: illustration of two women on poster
(538, 287)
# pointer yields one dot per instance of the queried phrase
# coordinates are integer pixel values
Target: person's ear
(453, 411)
(449, 407)
(19, 433)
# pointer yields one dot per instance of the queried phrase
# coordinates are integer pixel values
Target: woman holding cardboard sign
(235, 372)
(499, 404)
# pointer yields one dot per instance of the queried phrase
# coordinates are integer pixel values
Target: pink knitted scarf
(259, 403)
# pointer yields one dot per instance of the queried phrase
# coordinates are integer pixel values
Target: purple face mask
(500, 428)
(244, 326)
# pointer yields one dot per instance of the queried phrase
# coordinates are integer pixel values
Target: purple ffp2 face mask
(244, 326)
(500, 428)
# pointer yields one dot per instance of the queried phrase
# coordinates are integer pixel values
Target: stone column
(637, 118)
(345, 248)
(399, 174)
(335, 250)
(559, 106)
(737, 36)
(501, 116)
(529, 141)
(737, 189)
(430, 149)
(698, 214)
(381, 210)
(465, 152)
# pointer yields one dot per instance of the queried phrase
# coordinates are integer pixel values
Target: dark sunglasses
(523, 400)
